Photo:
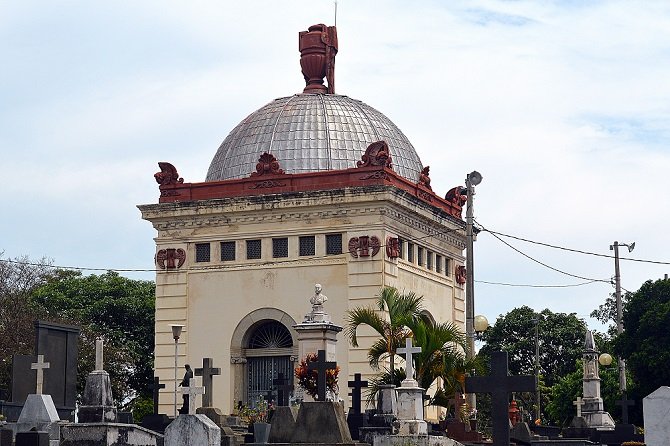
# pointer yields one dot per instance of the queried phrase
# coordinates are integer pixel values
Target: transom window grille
(271, 335)
(307, 245)
(438, 263)
(279, 247)
(429, 260)
(333, 244)
(227, 251)
(202, 252)
(253, 249)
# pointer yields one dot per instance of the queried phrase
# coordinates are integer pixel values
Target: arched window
(271, 334)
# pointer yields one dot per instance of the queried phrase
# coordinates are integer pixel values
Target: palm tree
(403, 310)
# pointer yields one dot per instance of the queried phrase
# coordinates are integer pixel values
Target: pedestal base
(410, 409)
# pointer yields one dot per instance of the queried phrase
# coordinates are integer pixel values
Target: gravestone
(284, 387)
(499, 384)
(356, 419)
(624, 403)
(321, 422)
(283, 424)
(192, 391)
(39, 414)
(192, 430)
(321, 366)
(207, 372)
(156, 422)
(97, 404)
(410, 397)
(57, 342)
(32, 438)
(656, 411)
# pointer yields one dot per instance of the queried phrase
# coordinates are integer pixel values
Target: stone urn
(261, 432)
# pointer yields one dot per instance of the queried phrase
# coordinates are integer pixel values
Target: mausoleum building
(313, 188)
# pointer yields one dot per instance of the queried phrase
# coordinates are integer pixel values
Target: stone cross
(207, 372)
(192, 391)
(409, 362)
(155, 388)
(40, 365)
(499, 384)
(356, 386)
(579, 403)
(321, 366)
(284, 388)
(624, 403)
(99, 344)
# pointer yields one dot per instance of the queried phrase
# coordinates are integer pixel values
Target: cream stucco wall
(217, 300)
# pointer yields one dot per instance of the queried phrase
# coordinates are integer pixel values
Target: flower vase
(261, 432)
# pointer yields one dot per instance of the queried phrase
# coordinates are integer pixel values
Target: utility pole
(619, 324)
(537, 367)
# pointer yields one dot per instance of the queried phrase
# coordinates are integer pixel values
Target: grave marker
(284, 387)
(40, 365)
(356, 385)
(207, 372)
(192, 391)
(499, 384)
(155, 388)
(99, 362)
(409, 362)
(321, 366)
(579, 403)
(624, 403)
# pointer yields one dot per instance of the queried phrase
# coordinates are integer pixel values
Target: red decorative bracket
(392, 247)
(267, 165)
(377, 154)
(364, 246)
(168, 175)
(461, 274)
(424, 179)
(165, 258)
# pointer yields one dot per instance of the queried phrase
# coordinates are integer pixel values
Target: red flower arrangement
(307, 378)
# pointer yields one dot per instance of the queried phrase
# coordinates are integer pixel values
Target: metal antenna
(335, 12)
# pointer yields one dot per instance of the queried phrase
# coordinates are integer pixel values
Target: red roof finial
(318, 47)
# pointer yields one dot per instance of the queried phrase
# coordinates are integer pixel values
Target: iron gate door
(262, 370)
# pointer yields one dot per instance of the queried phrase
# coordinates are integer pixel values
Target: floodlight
(475, 178)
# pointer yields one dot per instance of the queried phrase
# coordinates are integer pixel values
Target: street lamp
(605, 359)
(481, 324)
(537, 366)
(176, 332)
(471, 180)
(619, 323)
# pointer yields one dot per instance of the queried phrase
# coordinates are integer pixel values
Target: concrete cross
(409, 362)
(156, 387)
(40, 365)
(499, 384)
(99, 345)
(192, 391)
(356, 386)
(207, 372)
(624, 403)
(321, 366)
(284, 388)
(579, 403)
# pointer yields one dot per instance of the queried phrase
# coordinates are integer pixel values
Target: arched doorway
(268, 354)
(263, 345)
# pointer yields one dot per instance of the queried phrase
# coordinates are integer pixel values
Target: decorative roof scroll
(168, 175)
(267, 165)
(377, 154)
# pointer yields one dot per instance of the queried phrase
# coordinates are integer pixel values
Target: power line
(535, 285)
(657, 262)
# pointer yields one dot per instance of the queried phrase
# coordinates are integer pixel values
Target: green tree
(645, 342)
(118, 309)
(18, 278)
(561, 341)
(394, 312)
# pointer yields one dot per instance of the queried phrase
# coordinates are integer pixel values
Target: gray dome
(310, 133)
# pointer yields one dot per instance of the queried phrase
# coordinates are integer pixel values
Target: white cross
(99, 343)
(579, 404)
(192, 392)
(40, 365)
(408, 350)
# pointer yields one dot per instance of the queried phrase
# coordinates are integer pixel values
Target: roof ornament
(377, 154)
(318, 47)
(168, 174)
(424, 178)
(267, 165)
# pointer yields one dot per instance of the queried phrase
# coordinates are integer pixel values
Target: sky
(563, 107)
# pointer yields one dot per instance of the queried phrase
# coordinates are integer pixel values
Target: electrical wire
(525, 285)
